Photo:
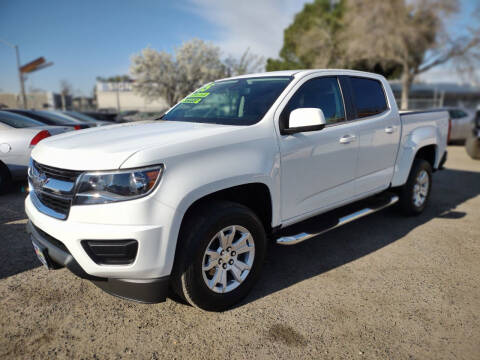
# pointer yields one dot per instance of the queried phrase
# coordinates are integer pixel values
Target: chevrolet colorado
(187, 203)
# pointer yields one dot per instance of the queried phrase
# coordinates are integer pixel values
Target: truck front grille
(60, 205)
(52, 189)
(56, 173)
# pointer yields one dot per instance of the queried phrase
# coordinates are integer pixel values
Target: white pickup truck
(187, 203)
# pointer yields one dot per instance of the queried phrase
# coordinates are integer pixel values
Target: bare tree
(65, 87)
(248, 63)
(160, 74)
(412, 34)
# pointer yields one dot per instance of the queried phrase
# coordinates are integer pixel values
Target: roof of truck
(303, 72)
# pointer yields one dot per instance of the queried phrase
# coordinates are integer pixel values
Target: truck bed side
(420, 129)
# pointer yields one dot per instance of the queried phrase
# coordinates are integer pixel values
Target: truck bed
(433, 122)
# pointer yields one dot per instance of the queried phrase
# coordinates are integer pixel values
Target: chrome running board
(297, 238)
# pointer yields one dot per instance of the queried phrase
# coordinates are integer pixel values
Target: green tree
(311, 40)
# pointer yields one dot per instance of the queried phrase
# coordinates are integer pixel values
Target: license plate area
(42, 253)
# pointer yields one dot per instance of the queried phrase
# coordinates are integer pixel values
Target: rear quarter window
(368, 97)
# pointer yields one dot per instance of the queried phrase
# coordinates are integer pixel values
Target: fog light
(111, 252)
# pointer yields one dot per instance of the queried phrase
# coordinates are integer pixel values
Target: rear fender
(417, 139)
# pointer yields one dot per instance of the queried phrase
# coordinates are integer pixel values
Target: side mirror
(305, 119)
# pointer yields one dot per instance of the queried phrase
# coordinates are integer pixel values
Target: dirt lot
(383, 287)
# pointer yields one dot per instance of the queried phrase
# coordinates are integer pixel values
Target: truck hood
(107, 147)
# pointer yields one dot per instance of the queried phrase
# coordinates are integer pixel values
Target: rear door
(317, 167)
(378, 129)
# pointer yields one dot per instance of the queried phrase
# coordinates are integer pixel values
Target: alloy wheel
(228, 259)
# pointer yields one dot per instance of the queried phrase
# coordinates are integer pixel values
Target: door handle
(347, 139)
(389, 129)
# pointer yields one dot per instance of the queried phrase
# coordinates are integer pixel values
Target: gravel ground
(383, 287)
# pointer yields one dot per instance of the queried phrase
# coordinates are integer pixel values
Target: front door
(318, 167)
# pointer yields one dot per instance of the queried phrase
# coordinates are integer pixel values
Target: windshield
(18, 121)
(230, 102)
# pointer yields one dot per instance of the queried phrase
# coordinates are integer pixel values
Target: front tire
(221, 250)
(415, 193)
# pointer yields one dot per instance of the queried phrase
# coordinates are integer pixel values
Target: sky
(89, 38)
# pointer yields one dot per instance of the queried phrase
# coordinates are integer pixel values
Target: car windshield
(18, 121)
(230, 102)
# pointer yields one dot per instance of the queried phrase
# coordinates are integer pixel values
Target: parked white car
(18, 136)
(189, 202)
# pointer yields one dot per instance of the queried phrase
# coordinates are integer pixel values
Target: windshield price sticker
(191, 100)
(205, 88)
(198, 95)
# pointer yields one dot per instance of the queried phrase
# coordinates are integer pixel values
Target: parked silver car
(461, 121)
(472, 145)
(18, 136)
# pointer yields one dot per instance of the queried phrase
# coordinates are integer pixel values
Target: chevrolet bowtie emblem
(38, 178)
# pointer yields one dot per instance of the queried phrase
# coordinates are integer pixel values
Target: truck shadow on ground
(16, 253)
(287, 265)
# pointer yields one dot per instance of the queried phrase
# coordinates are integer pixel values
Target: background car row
(18, 135)
(21, 130)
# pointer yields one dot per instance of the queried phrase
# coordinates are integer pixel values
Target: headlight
(112, 186)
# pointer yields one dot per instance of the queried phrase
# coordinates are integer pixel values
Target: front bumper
(141, 290)
(145, 220)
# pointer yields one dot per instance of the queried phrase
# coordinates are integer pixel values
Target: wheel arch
(427, 153)
(421, 143)
(256, 196)
(252, 195)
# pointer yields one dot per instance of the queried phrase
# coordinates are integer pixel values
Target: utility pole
(117, 88)
(20, 75)
(21, 79)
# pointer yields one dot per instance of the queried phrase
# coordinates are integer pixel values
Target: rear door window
(368, 96)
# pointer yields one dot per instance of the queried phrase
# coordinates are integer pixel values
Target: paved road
(383, 287)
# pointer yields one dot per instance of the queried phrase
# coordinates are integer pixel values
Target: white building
(36, 100)
(120, 97)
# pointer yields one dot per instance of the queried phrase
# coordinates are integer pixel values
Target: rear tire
(415, 193)
(208, 272)
(5, 179)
